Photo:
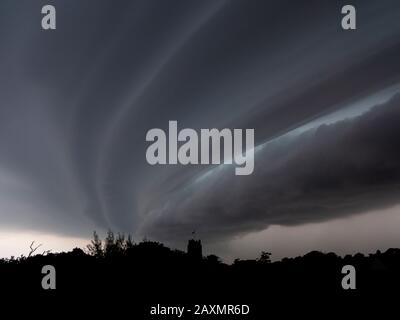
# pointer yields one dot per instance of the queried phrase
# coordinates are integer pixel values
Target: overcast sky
(76, 104)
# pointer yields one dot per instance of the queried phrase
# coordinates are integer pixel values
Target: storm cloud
(76, 104)
(331, 171)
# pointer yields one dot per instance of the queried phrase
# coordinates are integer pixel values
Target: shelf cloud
(76, 104)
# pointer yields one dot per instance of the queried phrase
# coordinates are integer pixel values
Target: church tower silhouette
(195, 249)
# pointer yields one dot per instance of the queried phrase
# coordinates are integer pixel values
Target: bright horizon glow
(16, 243)
(360, 233)
(368, 232)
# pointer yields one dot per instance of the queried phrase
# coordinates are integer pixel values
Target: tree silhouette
(33, 249)
(95, 247)
(265, 257)
(118, 264)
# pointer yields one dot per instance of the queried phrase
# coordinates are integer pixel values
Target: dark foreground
(138, 278)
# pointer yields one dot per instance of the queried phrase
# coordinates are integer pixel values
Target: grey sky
(76, 104)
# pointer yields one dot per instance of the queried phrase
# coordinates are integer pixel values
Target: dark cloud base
(75, 106)
(335, 170)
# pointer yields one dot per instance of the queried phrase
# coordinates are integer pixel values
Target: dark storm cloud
(335, 170)
(76, 103)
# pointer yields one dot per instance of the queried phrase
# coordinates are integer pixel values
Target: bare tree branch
(33, 249)
(46, 252)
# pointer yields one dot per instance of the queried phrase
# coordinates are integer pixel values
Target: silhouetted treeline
(149, 272)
